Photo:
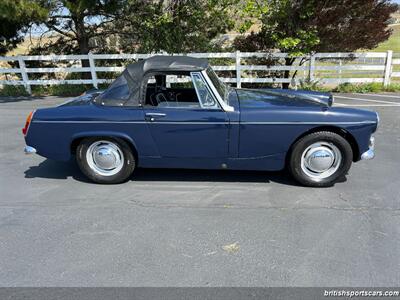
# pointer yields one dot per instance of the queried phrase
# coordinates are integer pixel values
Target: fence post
(238, 70)
(388, 68)
(93, 69)
(311, 75)
(24, 74)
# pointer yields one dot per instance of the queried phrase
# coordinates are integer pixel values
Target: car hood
(282, 97)
(83, 99)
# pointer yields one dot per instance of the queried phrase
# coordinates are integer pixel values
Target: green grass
(62, 90)
(393, 43)
(366, 88)
(352, 88)
(308, 85)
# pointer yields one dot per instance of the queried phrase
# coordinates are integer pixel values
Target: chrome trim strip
(184, 122)
(190, 123)
(378, 119)
(155, 114)
(370, 153)
(367, 155)
(308, 123)
(95, 122)
(131, 122)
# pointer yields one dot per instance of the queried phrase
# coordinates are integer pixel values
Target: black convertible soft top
(166, 63)
(160, 63)
(135, 73)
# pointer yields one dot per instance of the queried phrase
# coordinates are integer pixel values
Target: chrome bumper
(29, 150)
(370, 153)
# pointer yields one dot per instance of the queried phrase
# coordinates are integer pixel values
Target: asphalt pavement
(198, 228)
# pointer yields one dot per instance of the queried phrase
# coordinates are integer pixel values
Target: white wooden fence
(325, 68)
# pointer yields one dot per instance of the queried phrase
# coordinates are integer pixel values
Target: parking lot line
(379, 95)
(367, 100)
(368, 105)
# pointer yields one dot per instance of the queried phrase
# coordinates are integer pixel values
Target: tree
(174, 25)
(147, 25)
(134, 25)
(83, 26)
(15, 18)
(75, 23)
(300, 27)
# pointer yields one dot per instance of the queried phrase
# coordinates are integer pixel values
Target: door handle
(153, 116)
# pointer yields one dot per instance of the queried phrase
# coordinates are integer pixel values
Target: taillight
(27, 123)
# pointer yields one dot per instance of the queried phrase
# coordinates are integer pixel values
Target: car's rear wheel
(320, 159)
(105, 160)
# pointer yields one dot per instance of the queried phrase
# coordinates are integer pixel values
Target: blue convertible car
(174, 112)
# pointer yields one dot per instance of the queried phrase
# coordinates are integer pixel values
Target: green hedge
(69, 90)
(62, 90)
(13, 91)
(366, 88)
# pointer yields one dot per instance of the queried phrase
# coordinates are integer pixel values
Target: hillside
(393, 43)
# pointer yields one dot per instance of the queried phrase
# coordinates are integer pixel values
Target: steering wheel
(161, 97)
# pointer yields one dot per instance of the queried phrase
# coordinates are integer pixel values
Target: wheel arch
(76, 139)
(338, 130)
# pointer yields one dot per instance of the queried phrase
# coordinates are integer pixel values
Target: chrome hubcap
(105, 158)
(321, 160)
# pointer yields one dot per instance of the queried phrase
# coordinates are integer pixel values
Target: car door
(190, 129)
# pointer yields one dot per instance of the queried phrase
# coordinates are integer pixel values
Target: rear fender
(110, 134)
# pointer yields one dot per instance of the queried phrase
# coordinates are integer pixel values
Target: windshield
(221, 87)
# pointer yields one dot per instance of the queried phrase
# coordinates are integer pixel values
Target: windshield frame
(222, 99)
(220, 86)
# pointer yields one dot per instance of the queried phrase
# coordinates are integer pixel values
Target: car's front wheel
(105, 160)
(320, 159)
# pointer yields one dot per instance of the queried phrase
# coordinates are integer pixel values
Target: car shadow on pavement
(62, 170)
(56, 170)
(183, 175)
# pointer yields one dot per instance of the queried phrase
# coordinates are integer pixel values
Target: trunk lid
(84, 99)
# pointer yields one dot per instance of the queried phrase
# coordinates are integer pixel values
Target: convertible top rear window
(118, 90)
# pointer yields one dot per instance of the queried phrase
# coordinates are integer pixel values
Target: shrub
(366, 88)
(311, 85)
(394, 87)
(69, 90)
(63, 90)
(13, 91)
